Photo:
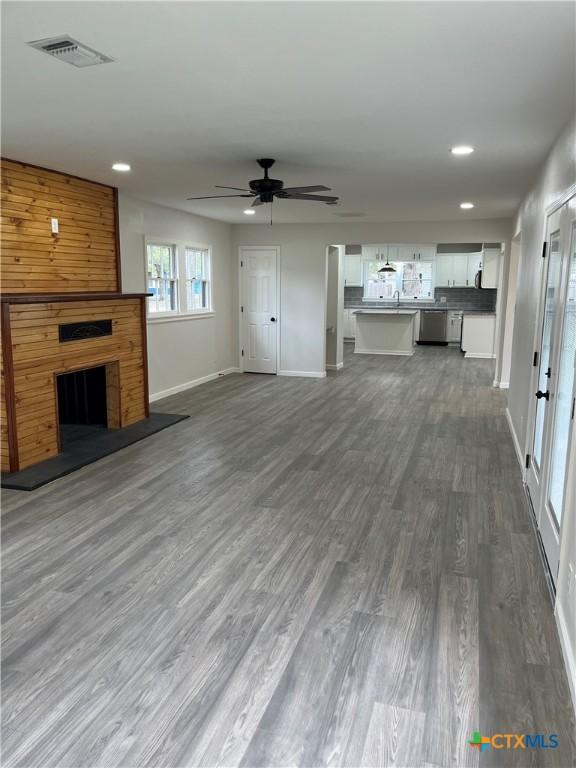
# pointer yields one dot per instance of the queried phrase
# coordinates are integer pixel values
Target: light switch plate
(54, 226)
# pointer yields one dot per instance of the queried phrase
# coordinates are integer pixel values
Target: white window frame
(182, 312)
(165, 244)
(406, 299)
(208, 278)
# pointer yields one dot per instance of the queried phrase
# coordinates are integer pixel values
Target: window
(197, 279)
(178, 277)
(162, 278)
(412, 280)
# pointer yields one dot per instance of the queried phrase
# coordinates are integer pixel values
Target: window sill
(154, 319)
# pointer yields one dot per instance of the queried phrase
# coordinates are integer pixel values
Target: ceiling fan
(266, 189)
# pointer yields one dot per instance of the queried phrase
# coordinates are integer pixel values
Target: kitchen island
(385, 331)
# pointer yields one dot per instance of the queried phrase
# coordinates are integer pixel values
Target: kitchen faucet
(398, 301)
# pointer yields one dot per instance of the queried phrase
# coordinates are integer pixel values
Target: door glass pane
(564, 389)
(552, 289)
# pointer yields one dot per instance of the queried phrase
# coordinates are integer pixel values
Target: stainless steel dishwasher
(432, 326)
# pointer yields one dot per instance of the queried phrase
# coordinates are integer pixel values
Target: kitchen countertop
(424, 306)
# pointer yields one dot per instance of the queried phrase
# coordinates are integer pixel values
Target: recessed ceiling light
(123, 167)
(249, 212)
(462, 149)
(466, 206)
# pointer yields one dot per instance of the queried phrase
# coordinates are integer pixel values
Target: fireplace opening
(82, 403)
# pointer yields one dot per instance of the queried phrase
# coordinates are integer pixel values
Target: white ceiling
(365, 98)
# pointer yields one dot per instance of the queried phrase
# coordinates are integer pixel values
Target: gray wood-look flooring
(336, 572)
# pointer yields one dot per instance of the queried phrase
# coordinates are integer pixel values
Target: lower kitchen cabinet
(349, 324)
(478, 335)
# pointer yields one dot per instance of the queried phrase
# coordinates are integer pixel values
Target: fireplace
(88, 402)
(82, 406)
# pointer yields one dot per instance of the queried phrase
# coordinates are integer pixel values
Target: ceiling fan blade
(299, 190)
(238, 189)
(214, 197)
(321, 198)
(256, 202)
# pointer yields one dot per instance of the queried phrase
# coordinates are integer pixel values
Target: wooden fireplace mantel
(46, 298)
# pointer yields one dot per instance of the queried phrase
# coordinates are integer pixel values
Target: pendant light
(387, 267)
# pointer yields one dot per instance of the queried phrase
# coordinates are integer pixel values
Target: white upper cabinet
(415, 252)
(490, 267)
(353, 270)
(443, 274)
(457, 270)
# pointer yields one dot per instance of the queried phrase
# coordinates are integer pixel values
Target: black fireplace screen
(82, 397)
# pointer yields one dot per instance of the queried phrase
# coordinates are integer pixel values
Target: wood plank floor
(336, 572)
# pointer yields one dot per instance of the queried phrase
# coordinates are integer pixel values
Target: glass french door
(554, 415)
(548, 324)
(562, 419)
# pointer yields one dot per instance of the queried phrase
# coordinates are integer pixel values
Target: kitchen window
(179, 278)
(412, 279)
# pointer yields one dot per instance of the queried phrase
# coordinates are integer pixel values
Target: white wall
(557, 177)
(184, 350)
(303, 270)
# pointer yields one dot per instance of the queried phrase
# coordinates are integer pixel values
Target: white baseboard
(191, 384)
(336, 367)
(382, 352)
(305, 374)
(481, 355)
(501, 384)
(569, 659)
(519, 453)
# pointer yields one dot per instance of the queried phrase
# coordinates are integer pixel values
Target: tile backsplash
(456, 298)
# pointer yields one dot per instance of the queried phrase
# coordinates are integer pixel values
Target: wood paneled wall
(38, 355)
(83, 257)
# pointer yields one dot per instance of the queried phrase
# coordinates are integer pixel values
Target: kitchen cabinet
(349, 324)
(353, 270)
(415, 252)
(454, 327)
(456, 270)
(459, 270)
(490, 267)
(478, 335)
(443, 270)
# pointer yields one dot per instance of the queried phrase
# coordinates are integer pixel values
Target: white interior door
(545, 349)
(562, 413)
(554, 414)
(259, 319)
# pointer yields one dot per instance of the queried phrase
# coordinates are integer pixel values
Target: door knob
(545, 395)
(272, 319)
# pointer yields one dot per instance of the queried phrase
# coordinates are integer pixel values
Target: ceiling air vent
(71, 51)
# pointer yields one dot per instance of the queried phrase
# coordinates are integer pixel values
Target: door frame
(545, 525)
(242, 248)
